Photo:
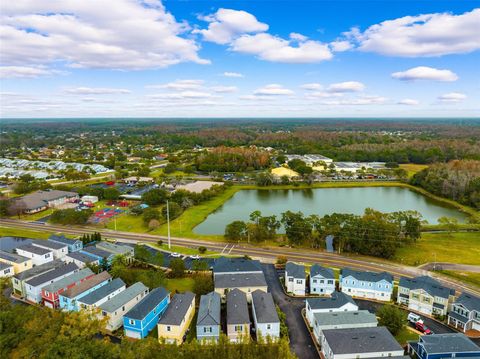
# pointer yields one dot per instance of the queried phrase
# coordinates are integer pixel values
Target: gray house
(238, 319)
(465, 313)
(246, 282)
(295, 278)
(224, 265)
(322, 280)
(208, 320)
(265, 316)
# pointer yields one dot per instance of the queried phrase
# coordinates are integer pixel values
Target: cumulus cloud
(273, 90)
(408, 102)
(348, 86)
(425, 73)
(434, 34)
(96, 91)
(312, 86)
(323, 94)
(224, 89)
(358, 101)
(181, 95)
(180, 85)
(452, 97)
(232, 74)
(26, 71)
(120, 34)
(340, 46)
(226, 24)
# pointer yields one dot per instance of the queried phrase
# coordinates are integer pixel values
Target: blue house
(143, 317)
(98, 254)
(437, 346)
(208, 320)
(68, 300)
(365, 284)
(74, 245)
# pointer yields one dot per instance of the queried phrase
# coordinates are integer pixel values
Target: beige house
(174, 323)
(245, 282)
(238, 319)
(18, 262)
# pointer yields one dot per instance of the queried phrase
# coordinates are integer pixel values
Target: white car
(195, 256)
(413, 318)
(175, 254)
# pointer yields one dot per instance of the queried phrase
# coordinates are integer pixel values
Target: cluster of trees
(109, 193)
(71, 216)
(457, 180)
(232, 159)
(27, 183)
(87, 238)
(373, 233)
(300, 167)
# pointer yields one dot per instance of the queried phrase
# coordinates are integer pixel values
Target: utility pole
(168, 225)
(115, 220)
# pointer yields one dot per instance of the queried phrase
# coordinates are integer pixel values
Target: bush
(155, 197)
(153, 224)
(391, 317)
(71, 216)
(149, 214)
(160, 242)
(174, 210)
(203, 284)
(282, 260)
(177, 267)
(202, 249)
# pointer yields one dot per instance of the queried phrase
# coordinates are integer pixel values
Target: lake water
(324, 201)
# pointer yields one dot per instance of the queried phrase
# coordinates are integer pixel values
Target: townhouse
(51, 292)
(116, 249)
(115, 308)
(143, 317)
(33, 286)
(18, 262)
(19, 279)
(208, 319)
(295, 278)
(247, 283)
(224, 265)
(59, 250)
(38, 255)
(98, 254)
(101, 295)
(174, 323)
(265, 316)
(322, 280)
(68, 300)
(81, 259)
(436, 346)
(238, 319)
(338, 302)
(371, 285)
(425, 295)
(73, 245)
(465, 313)
(6, 270)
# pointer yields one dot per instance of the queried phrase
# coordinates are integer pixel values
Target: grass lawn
(461, 247)
(34, 216)
(127, 223)
(412, 168)
(18, 232)
(179, 284)
(182, 250)
(467, 277)
(405, 335)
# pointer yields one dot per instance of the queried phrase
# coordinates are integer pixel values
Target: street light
(168, 225)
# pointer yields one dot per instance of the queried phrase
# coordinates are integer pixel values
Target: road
(451, 266)
(270, 254)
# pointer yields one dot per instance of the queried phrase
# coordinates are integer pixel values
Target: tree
(391, 317)
(297, 228)
(174, 210)
(71, 216)
(285, 180)
(149, 214)
(4, 204)
(236, 231)
(141, 253)
(200, 265)
(169, 168)
(281, 260)
(153, 224)
(281, 159)
(203, 284)
(202, 249)
(264, 179)
(111, 193)
(177, 267)
(155, 196)
(449, 223)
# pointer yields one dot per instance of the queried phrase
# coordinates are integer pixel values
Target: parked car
(413, 318)
(196, 256)
(421, 327)
(175, 254)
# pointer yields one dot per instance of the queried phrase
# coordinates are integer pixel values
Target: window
(314, 281)
(322, 281)
(123, 308)
(168, 328)
(290, 279)
(299, 281)
(269, 326)
(238, 328)
(131, 322)
(207, 329)
(104, 313)
(330, 282)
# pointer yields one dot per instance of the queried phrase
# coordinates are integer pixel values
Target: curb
(317, 346)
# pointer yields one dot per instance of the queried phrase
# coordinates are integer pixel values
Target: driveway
(300, 339)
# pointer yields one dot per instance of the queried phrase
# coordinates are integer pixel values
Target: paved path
(450, 266)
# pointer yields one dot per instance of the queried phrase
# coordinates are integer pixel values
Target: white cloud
(273, 90)
(425, 73)
(348, 86)
(340, 45)
(226, 24)
(256, 98)
(179, 85)
(312, 86)
(26, 71)
(224, 89)
(359, 101)
(120, 34)
(96, 91)
(232, 74)
(323, 94)
(408, 102)
(181, 95)
(452, 97)
(434, 34)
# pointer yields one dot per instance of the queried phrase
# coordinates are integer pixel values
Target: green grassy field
(182, 250)
(467, 277)
(412, 168)
(461, 247)
(179, 284)
(405, 335)
(16, 232)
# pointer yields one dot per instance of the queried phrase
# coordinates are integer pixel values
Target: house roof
(177, 309)
(322, 271)
(102, 292)
(360, 340)
(265, 309)
(367, 276)
(47, 244)
(450, 342)
(82, 257)
(295, 270)
(65, 282)
(86, 285)
(428, 284)
(52, 274)
(343, 318)
(240, 280)
(114, 248)
(40, 269)
(337, 300)
(469, 301)
(5, 266)
(33, 249)
(12, 257)
(62, 239)
(209, 309)
(237, 307)
(124, 297)
(232, 265)
(40, 199)
(147, 304)
(97, 251)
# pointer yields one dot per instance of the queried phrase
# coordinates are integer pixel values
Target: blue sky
(127, 58)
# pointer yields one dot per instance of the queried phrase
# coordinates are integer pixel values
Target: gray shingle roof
(51, 275)
(469, 301)
(34, 249)
(5, 266)
(62, 239)
(446, 343)
(177, 309)
(232, 265)
(337, 300)
(343, 318)
(240, 280)
(265, 309)
(367, 276)
(97, 251)
(324, 272)
(209, 309)
(360, 340)
(65, 282)
(237, 307)
(124, 297)
(86, 285)
(48, 244)
(147, 304)
(102, 292)
(114, 248)
(40, 199)
(12, 257)
(40, 269)
(82, 257)
(430, 285)
(295, 270)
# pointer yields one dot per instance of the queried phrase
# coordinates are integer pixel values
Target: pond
(322, 201)
(8, 244)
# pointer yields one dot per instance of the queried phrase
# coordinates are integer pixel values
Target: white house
(295, 278)
(378, 286)
(265, 317)
(6, 270)
(338, 302)
(322, 280)
(59, 250)
(38, 255)
(465, 313)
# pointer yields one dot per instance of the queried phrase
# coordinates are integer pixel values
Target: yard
(405, 335)
(17, 232)
(179, 284)
(467, 277)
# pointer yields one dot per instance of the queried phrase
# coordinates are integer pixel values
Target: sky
(257, 58)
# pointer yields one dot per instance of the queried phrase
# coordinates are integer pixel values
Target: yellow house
(245, 282)
(19, 263)
(177, 318)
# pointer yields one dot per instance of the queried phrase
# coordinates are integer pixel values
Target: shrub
(202, 249)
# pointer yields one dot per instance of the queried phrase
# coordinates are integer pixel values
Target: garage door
(476, 326)
(133, 334)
